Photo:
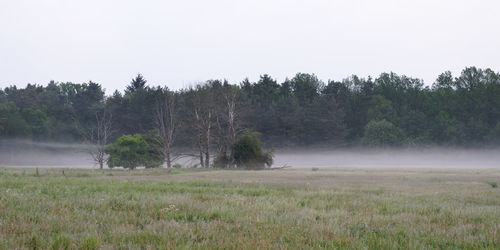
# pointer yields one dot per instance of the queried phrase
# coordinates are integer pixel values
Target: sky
(181, 43)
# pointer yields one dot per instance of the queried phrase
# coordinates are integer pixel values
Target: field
(306, 208)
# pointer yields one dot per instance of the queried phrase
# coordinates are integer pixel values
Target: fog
(434, 158)
(20, 153)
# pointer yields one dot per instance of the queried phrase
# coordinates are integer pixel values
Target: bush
(382, 133)
(156, 157)
(131, 151)
(247, 152)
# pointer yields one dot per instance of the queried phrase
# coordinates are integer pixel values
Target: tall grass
(248, 209)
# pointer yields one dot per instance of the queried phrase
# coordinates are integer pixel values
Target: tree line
(206, 119)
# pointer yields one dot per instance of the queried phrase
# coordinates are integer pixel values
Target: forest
(387, 111)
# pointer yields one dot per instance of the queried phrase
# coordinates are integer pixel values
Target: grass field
(325, 208)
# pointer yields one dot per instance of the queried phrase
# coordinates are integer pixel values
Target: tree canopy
(131, 151)
(300, 111)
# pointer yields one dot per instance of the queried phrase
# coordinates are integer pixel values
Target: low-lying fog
(55, 155)
(403, 158)
(20, 153)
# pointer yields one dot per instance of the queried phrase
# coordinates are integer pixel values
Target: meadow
(233, 209)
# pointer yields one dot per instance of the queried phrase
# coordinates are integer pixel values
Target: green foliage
(305, 87)
(138, 83)
(38, 121)
(494, 136)
(381, 109)
(416, 128)
(59, 111)
(248, 152)
(382, 133)
(155, 157)
(300, 111)
(447, 130)
(12, 123)
(131, 151)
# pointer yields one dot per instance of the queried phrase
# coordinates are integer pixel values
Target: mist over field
(401, 158)
(23, 153)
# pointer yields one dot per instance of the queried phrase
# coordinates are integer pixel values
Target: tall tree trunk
(201, 154)
(203, 125)
(167, 157)
(165, 119)
(207, 143)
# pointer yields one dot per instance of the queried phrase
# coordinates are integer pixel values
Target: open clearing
(292, 208)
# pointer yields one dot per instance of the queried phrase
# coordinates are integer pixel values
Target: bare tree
(227, 121)
(99, 136)
(230, 95)
(166, 123)
(214, 119)
(203, 127)
(202, 105)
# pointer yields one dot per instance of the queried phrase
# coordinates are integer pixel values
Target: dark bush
(248, 152)
(131, 151)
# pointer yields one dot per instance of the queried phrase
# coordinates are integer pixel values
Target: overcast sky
(178, 43)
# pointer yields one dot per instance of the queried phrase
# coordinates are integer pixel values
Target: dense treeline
(388, 110)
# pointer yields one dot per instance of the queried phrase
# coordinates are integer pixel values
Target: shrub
(155, 156)
(131, 151)
(247, 152)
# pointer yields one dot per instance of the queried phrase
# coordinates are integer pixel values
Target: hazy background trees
(208, 118)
